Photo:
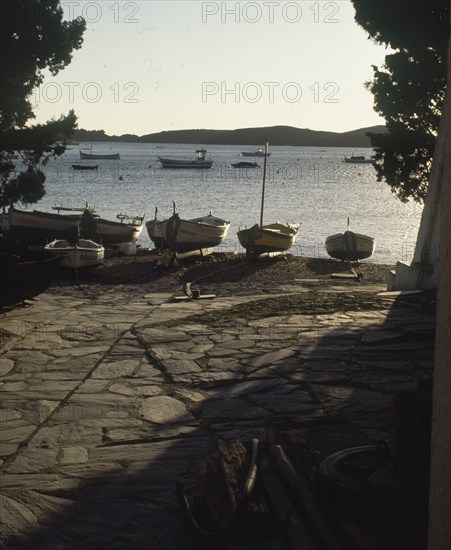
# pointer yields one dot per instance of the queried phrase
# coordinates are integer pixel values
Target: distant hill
(277, 135)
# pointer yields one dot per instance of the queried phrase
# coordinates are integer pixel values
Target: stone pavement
(105, 403)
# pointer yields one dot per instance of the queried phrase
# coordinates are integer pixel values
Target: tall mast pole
(263, 186)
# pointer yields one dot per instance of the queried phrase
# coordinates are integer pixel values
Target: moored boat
(184, 236)
(259, 153)
(350, 246)
(99, 156)
(359, 159)
(80, 254)
(245, 165)
(84, 167)
(267, 238)
(9, 156)
(199, 162)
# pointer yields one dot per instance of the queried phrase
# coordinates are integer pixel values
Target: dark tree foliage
(33, 37)
(409, 89)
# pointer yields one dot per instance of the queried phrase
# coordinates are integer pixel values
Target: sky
(149, 66)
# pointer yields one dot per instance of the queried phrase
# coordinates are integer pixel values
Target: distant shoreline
(277, 135)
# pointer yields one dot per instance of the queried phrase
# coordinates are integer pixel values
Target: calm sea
(304, 184)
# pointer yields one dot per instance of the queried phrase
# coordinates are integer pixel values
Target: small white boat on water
(199, 162)
(84, 167)
(98, 156)
(350, 246)
(359, 159)
(197, 235)
(259, 153)
(245, 165)
(81, 254)
(93, 156)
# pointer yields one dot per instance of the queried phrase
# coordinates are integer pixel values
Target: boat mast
(263, 186)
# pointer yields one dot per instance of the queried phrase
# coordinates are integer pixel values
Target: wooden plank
(304, 498)
(192, 298)
(347, 276)
(292, 525)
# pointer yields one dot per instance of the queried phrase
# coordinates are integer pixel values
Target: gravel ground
(224, 268)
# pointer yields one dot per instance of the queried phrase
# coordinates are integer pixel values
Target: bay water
(306, 185)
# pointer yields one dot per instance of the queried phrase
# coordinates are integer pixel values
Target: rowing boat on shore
(349, 246)
(184, 236)
(38, 227)
(82, 254)
(109, 232)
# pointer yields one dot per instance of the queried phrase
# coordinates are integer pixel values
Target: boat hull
(268, 238)
(185, 236)
(359, 160)
(85, 254)
(182, 164)
(91, 156)
(350, 246)
(39, 227)
(254, 154)
(112, 233)
(84, 167)
(245, 165)
(25, 273)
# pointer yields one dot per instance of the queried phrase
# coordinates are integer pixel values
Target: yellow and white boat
(269, 238)
(274, 237)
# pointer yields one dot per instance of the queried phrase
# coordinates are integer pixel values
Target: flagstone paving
(106, 401)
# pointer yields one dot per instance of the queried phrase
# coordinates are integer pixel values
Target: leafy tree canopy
(409, 89)
(33, 37)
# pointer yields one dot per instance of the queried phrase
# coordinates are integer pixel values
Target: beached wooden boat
(267, 238)
(81, 254)
(183, 236)
(350, 246)
(271, 238)
(24, 273)
(36, 227)
(199, 162)
(108, 232)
